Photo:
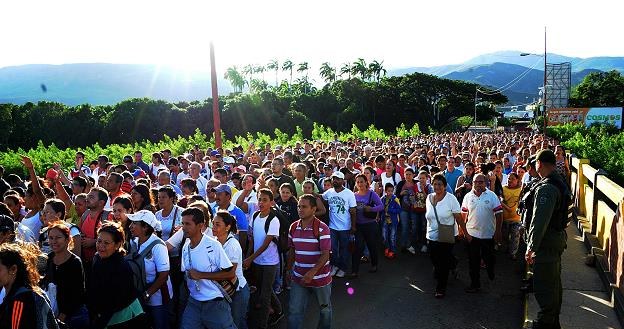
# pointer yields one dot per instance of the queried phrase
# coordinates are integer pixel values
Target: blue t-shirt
(241, 219)
(451, 179)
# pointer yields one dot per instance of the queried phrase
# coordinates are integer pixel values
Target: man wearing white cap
(151, 250)
(341, 222)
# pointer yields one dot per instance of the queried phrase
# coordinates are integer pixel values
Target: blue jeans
(208, 314)
(240, 307)
(340, 249)
(299, 297)
(408, 222)
(159, 316)
(389, 233)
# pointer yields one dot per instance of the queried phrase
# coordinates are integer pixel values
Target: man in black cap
(546, 240)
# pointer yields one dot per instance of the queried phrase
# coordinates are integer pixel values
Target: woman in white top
(448, 213)
(224, 229)
(159, 290)
(390, 176)
(156, 166)
(170, 214)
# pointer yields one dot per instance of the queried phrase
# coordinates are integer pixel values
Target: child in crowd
(390, 218)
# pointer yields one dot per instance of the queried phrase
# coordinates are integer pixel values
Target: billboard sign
(611, 115)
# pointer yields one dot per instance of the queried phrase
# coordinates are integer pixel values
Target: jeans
(159, 315)
(340, 249)
(240, 307)
(389, 233)
(408, 223)
(208, 314)
(441, 254)
(366, 233)
(299, 297)
(265, 296)
(480, 249)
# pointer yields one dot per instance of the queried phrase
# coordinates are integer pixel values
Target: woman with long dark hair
(368, 205)
(122, 206)
(142, 198)
(24, 305)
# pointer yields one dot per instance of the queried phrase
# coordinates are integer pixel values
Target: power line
(511, 83)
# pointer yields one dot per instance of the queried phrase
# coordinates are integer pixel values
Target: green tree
(288, 66)
(303, 69)
(274, 65)
(376, 70)
(599, 89)
(235, 78)
(328, 73)
(345, 69)
(360, 68)
(249, 71)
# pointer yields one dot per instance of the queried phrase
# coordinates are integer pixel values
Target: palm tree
(235, 78)
(359, 67)
(248, 70)
(328, 73)
(376, 69)
(288, 66)
(303, 67)
(345, 69)
(259, 69)
(274, 65)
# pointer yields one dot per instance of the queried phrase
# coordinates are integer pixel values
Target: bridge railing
(600, 203)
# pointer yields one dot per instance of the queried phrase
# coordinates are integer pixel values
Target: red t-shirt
(89, 230)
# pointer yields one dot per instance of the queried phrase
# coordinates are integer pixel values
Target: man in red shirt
(308, 265)
(113, 186)
(91, 221)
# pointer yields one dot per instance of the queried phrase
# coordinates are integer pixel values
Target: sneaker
(411, 250)
(334, 270)
(340, 274)
(275, 318)
(391, 255)
(424, 249)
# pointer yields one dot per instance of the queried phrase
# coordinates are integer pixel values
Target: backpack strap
(149, 248)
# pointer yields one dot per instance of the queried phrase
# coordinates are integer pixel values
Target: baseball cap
(51, 174)
(229, 160)
(546, 156)
(145, 216)
(338, 174)
(223, 188)
(6, 223)
(241, 169)
(214, 153)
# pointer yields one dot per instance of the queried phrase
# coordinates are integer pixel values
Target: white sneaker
(424, 249)
(340, 274)
(334, 270)
(411, 250)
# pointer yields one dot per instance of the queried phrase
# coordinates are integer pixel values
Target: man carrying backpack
(547, 240)
(308, 264)
(265, 258)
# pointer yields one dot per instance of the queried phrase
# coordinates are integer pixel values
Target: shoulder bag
(446, 233)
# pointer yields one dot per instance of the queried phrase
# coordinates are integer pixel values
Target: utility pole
(216, 115)
(545, 82)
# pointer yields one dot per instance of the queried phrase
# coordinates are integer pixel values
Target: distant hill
(102, 84)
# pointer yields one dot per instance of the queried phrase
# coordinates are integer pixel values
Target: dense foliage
(599, 89)
(385, 103)
(45, 156)
(602, 144)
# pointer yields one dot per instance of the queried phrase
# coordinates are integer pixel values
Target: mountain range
(105, 84)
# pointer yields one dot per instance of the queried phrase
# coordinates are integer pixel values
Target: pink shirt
(308, 250)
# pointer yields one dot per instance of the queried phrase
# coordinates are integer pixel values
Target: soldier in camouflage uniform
(546, 241)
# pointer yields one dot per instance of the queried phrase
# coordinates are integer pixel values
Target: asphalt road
(400, 295)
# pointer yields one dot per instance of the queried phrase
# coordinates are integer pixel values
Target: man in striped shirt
(308, 265)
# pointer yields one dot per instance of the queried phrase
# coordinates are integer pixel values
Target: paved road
(400, 295)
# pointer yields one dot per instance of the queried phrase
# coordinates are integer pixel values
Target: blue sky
(401, 33)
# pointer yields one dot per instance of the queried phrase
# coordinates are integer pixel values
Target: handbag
(370, 214)
(446, 233)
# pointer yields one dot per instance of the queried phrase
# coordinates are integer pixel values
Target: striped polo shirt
(308, 249)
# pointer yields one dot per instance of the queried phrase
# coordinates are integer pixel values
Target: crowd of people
(210, 238)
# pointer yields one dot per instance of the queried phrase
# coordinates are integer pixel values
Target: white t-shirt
(25, 234)
(482, 210)
(33, 223)
(251, 199)
(156, 168)
(166, 222)
(385, 180)
(270, 256)
(156, 261)
(235, 253)
(202, 184)
(180, 177)
(177, 239)
(207, 256)
(339, 206)
(445, 208)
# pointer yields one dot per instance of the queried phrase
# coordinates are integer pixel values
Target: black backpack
(282, 240)
(566, 211)
(136, 261)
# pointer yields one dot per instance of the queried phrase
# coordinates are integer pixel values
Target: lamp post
(545, 79)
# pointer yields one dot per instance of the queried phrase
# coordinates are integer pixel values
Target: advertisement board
(611, 115)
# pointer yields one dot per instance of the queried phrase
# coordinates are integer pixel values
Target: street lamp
(544, 85)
